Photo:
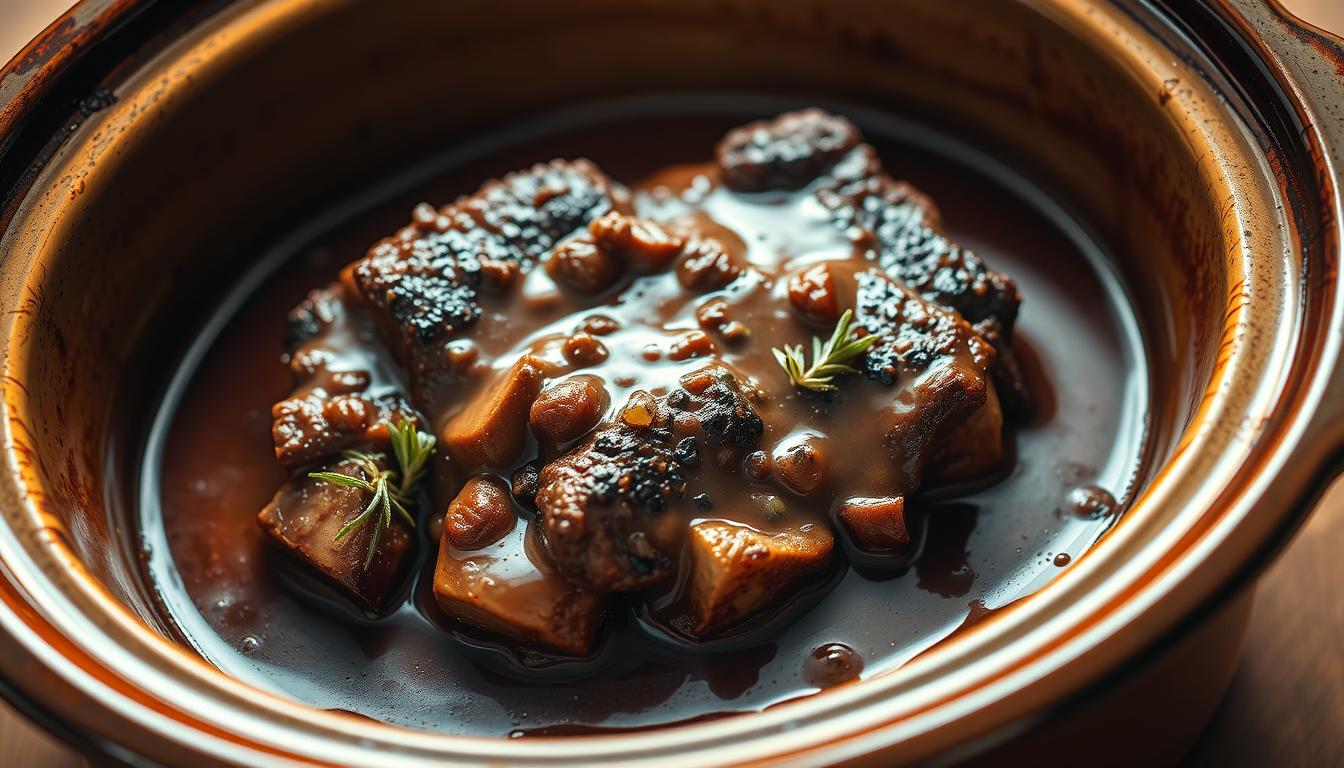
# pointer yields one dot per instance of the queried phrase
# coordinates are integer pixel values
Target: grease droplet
(1090, 502)
(832, 664)
(1063, 559)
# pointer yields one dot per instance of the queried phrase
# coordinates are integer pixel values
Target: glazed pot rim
(1298, 441)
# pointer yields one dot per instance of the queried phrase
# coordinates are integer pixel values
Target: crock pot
(144, 147)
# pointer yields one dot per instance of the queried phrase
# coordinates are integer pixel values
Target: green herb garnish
(391, 490)
(829, 359)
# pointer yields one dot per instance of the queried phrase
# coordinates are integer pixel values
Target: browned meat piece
(567, 410)
(342, 399)
(492, 431)
(713, 406)
(603, 503)
(306, 514)
(738, 571)
(510, 588)
(480, 515)
(933, 355)
(897, 223)
(580, 265)
(858, 192)
(321, 309)
(603, 508)
(314, 426)
(786, 152)
(812, 292)
(423, 281)
(916, 333)
(706, 265)
(877, 525)
(801, 462)
(643, 245)
(901, 228)
(971, 450)
(1014, 394)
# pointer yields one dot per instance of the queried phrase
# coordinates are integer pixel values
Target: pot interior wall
(182, 200)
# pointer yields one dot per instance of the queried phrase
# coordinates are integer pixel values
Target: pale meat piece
(303, 519)
(511, 589)
(878, 525)
(737, 571)
(491, 431)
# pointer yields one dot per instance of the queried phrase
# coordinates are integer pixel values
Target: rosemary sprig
(390, 490)
(830, 359)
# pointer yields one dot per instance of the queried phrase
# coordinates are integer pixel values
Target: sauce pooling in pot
(656, 662)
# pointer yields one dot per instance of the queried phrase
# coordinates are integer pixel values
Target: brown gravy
(210, 468)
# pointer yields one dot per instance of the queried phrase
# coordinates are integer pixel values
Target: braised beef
(605, 504)
(786, 152)
(646, 370)
(304, 519)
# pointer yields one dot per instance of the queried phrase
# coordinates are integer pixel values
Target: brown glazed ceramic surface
(145, 148)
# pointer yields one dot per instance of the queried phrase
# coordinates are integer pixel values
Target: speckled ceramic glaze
(144, 147)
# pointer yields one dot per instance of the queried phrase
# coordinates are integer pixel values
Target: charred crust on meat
(786, 152)
(427, 277)
(725, 416)
(895, 221)
(915, 333)
(316, 312)
(602, 502)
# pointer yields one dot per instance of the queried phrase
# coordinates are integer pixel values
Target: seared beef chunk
(604, 503)
(894, 220)
(940, 270)
(898, 225)
(935, 356)
(714, 406)
(334, 406)
(784, 153)
(314, 426)
(511, 588)
(304, 518)
(318, 311)
(426, 277)
(426, 283)
(915, 332)
(603, 508)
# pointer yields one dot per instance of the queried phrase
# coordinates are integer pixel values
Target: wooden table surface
(1285, 707)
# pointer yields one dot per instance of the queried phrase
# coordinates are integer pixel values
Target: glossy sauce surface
(984, 550)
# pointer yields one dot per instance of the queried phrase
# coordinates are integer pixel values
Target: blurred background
(1285, 707)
